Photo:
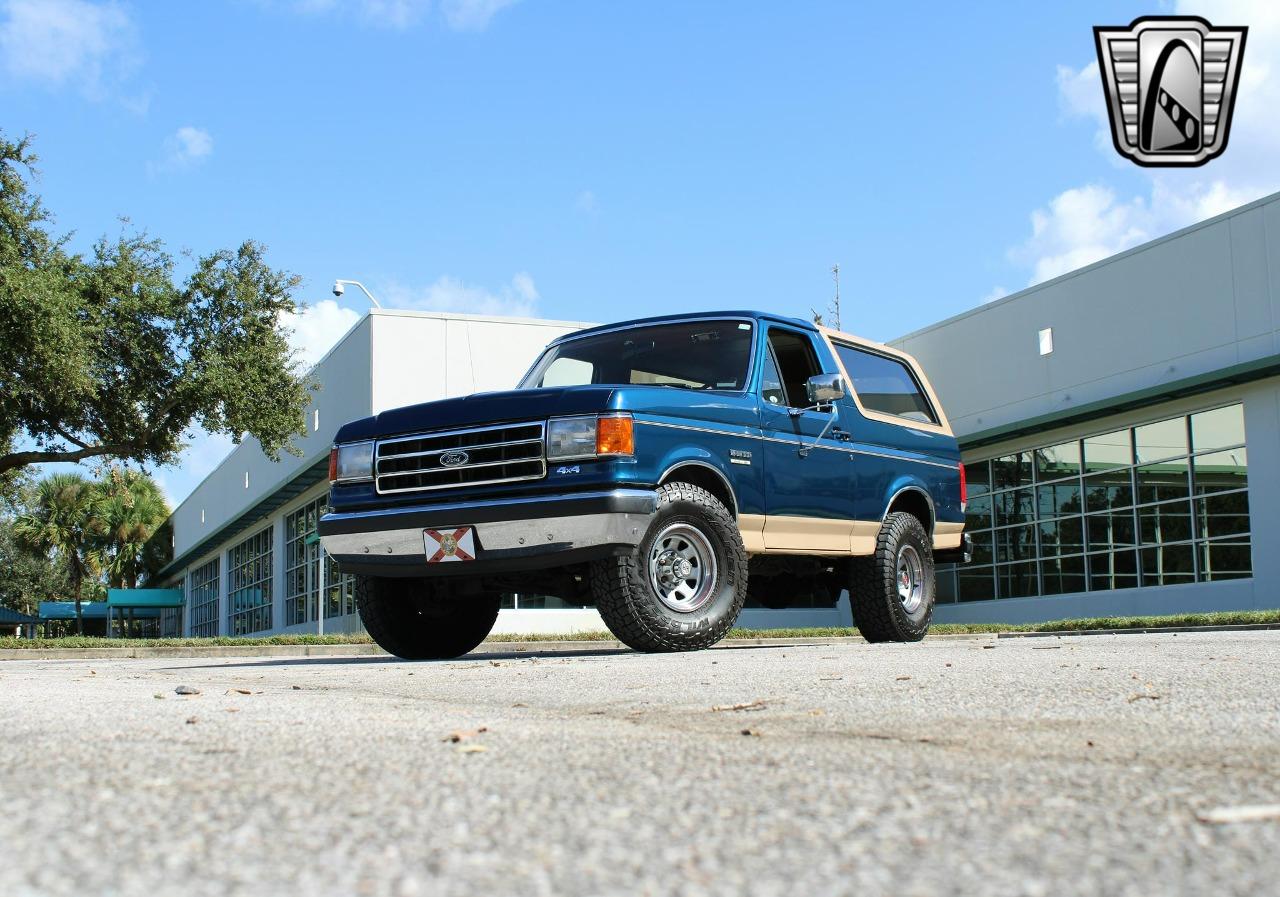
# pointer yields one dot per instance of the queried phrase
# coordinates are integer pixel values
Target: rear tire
(407, 619)
(683, 587)
(892, 591)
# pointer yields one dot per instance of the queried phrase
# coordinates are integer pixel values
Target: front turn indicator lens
(615, 436)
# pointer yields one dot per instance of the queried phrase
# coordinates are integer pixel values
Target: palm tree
(61, 519)
(132, 509)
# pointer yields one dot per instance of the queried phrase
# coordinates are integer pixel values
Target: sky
(584, 160)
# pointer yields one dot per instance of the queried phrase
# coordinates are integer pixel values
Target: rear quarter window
(886, 385)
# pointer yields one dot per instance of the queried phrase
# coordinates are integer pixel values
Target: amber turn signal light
(615, 436)
(333, 464)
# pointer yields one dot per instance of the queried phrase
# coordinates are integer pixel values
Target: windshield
(684, 354)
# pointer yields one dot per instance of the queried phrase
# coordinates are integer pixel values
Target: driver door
(808, 481)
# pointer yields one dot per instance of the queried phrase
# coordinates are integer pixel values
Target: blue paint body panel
(786, 465)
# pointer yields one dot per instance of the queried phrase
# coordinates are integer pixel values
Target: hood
(480, 409)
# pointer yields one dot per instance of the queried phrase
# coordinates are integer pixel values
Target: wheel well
(913, 502)
(707, 478)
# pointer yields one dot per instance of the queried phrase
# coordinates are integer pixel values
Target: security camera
(338, 288)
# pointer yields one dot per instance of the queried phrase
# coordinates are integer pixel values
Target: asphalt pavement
(1089, 765)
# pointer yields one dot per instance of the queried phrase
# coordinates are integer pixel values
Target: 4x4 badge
(1170, 83)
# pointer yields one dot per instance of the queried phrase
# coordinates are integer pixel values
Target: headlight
(571, 438)
(351, 462)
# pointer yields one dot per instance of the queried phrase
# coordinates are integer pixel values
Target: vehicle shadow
(477, 658)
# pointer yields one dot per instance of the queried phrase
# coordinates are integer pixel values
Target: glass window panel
(1109, 529)
(202, 596)
(1163, 439)
(1011, 470)
(885, 384)
(1222, 515)
(1163, 481)
(1014, 507)
(1062, 576)
(977, 513)
(1016, 543)
(1017, 580)
(1170, 522)
(1058, 499)
(1108, 490)
(1225, 560)
(1167, 565)
(1061, 536)
(977, 478)
(981, 546)
(976, 583)
(1220, 428)
(1057, 461)
(1220, 471)
(1113, 570)
(946, 585)
(1107, 451)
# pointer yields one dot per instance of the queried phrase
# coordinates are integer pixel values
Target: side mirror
(824, 389)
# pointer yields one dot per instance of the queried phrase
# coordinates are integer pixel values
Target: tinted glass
(1163, 481)
(686, 355)
(1062, 576)
(977, 477)
(1167, 565)
(1222, 515)
(1220, 428)
(1011, 470)
(1107, 451)
(1164, 439)
(1220, 471)
(1170, 522)
(885, 384)
(1058, 461)
(1058, 499)
(1225, 560)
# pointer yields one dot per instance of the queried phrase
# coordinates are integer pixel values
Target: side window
(796, 363)
(771, 381)
(885, 385)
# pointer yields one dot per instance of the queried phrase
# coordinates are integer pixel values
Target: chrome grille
(452, 458)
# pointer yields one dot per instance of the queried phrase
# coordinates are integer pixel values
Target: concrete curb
(1145, 630)
(372, 650)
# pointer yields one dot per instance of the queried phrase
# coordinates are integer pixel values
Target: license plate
(452, 544)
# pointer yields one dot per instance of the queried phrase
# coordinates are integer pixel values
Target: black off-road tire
(406, 619)
(878, 611)
(631, 607)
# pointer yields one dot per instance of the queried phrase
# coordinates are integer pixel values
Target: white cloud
(995, 293)
(472, 15)
(92, 46)
(518, 298)
(317, 329)
(187, 146)
(1088, 223)
(586, 203)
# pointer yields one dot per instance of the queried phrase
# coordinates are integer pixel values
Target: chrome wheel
(682, 568)
(910, 577)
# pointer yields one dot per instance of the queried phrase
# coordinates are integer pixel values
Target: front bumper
(511, 534)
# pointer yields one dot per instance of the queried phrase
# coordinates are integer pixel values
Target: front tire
(892, 591)
(406, 618)
(683, 587)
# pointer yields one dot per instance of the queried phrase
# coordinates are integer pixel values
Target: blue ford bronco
(662, 470)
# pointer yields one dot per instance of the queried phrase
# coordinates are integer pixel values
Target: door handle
(842, 435)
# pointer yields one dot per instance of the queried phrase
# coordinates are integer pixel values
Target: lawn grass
(1224, 618)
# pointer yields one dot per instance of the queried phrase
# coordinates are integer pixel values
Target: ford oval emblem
(454, 459)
